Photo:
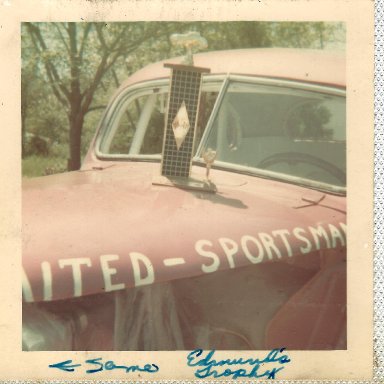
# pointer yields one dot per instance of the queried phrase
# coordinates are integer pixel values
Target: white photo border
(379, 194)
(378, 200)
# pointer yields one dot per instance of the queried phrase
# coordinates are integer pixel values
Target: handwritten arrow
(65, 366)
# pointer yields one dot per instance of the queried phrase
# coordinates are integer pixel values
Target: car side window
(138, 126)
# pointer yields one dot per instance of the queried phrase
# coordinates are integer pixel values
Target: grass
(33, 166)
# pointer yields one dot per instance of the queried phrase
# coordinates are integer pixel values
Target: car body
(114, 261)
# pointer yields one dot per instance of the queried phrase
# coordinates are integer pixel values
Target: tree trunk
(76, 115)
(75, 129)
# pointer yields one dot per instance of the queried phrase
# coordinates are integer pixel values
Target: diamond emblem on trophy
(180, 125)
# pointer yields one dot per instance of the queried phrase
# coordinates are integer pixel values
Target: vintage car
(246, 249)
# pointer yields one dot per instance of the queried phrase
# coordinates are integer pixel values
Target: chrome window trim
(327, 89)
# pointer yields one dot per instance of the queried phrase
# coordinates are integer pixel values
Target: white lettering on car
(318, 233)
(47, 280)
(230, 248)
(76, 263)
(250, 255)
(269, 245)
(136, 259)
(173, 261)
(298, 232)
(344, 228)
(26, 288)
(202, 252)
(336, 235)
(108, 272)
(283, 233)
(253, 248)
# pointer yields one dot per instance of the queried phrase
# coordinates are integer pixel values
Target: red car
(248, 252)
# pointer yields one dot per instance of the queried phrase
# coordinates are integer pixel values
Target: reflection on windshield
(288, 131)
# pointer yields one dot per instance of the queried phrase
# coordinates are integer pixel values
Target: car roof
(314, 66)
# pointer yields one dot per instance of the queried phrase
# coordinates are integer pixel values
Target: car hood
(95, 231)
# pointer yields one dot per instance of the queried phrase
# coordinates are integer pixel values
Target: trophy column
(181, 121)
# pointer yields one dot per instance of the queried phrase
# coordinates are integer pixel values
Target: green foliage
(317, 35)
(34, 165)
(70, 70)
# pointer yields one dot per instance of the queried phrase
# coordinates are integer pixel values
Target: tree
(315, 35)
(28, 88)
(76, 57)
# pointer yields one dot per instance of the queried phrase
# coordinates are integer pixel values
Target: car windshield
(288, 131)
(273, 128)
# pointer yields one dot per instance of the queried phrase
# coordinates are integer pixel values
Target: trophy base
(185, 183)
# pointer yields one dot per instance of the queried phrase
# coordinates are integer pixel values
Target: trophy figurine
(209, 157)
(191, 41)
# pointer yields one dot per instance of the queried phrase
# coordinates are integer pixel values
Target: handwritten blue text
(267, 367)
(97, 365)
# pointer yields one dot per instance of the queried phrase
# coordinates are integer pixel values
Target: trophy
(181, 119)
